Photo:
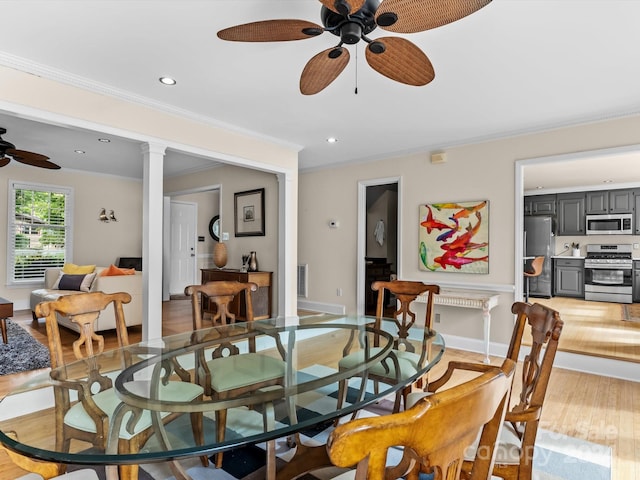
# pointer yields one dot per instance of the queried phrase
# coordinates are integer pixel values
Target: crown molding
(55, 74)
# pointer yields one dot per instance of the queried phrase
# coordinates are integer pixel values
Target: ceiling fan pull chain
(356, 89)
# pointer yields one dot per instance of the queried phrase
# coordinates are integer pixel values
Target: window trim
(11, 214)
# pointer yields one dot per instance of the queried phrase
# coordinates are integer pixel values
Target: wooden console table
(261, 299)
(6, 311)
(484, 301)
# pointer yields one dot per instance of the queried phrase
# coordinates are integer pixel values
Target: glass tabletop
(309, 350)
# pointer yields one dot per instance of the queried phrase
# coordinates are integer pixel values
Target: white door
(183, 246)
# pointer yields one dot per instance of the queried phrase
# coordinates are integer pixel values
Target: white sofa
(132, 284)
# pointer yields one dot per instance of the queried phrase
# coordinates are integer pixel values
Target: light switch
(225, 236)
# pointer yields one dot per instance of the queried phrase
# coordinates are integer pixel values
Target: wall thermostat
(334, 223)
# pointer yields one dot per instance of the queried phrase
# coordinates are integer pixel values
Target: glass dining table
(306, 395)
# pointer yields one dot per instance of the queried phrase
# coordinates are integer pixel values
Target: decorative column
(152, 234)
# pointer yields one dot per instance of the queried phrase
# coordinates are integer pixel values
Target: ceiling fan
(352, 20)
(8, 152)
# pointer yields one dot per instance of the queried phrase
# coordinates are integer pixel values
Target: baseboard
(332, 308)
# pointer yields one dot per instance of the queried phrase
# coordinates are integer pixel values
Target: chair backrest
(82, 309)
(535, 268)
(433, 432)
(405, 292)
(546, 327)
(220, 293)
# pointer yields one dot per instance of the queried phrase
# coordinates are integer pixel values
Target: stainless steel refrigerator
(539, 241)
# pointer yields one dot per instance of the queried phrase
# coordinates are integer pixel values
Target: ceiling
(513, 67)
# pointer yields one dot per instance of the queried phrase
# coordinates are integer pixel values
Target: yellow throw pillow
(73, 269)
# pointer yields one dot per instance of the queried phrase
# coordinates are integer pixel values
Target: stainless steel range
(608, 273)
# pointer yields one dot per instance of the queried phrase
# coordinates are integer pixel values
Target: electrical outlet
(339, 292)
(437, 319)
(636, 246)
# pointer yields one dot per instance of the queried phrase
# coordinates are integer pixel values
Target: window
(39, 230)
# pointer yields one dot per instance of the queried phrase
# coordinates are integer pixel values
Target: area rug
(557, 457)
(631, 312)
(22, 352)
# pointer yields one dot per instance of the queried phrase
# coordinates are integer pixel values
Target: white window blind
(38, 230)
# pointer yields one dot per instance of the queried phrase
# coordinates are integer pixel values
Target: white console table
(479, 300)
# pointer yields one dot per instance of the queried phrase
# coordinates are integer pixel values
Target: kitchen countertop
(568, 256)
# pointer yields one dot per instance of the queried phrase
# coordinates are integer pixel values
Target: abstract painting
(454, 237)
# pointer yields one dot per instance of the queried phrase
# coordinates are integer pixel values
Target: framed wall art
(454, 237)
(249, 213)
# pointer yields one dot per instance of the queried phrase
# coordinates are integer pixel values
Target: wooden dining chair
(516, 444)
(433, 434)
(534, 270)
(514, 455)
(405, 360)
(228, 372)
(88, 419)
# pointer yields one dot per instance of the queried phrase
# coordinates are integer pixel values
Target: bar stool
(534, 271)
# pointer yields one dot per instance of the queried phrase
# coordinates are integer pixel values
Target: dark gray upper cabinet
(621, 201)
(610, 201)
(540, 205)
(571, 217)
(636, 217)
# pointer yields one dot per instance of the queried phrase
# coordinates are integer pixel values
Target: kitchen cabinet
(636, 217)
(636, 281)
(571, 216)
(261, 300)
(540, 205)
(569, 277)
(610, 201)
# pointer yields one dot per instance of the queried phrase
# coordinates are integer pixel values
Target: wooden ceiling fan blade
(271, 31)
(400, 60)
(4, 161)
(33, 159)
(410, 16)
(323, 69)
(343, 7)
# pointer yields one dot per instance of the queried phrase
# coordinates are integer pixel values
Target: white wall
(483, 171)
(94, 242)
(237, 179)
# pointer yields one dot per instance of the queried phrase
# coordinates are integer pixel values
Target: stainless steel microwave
(614, 224)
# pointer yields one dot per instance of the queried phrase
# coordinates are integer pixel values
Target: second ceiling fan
(352, 20)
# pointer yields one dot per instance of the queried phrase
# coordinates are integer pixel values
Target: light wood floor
(590, 407)
(595, 328)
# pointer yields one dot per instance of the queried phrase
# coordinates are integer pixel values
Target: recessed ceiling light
(608, 181)
(332, 139)
(104, 140)
(539, 187)
(167, 81)
(81, 152)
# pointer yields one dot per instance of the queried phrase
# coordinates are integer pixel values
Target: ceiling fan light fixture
(351, 33)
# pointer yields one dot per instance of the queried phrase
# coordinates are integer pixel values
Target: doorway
(378, 239)
(182, 245)
(596, 329)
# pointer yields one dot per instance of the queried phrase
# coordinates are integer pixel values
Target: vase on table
(220, 255)
(253, 262)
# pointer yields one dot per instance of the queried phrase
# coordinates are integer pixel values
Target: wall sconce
(106, 218)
